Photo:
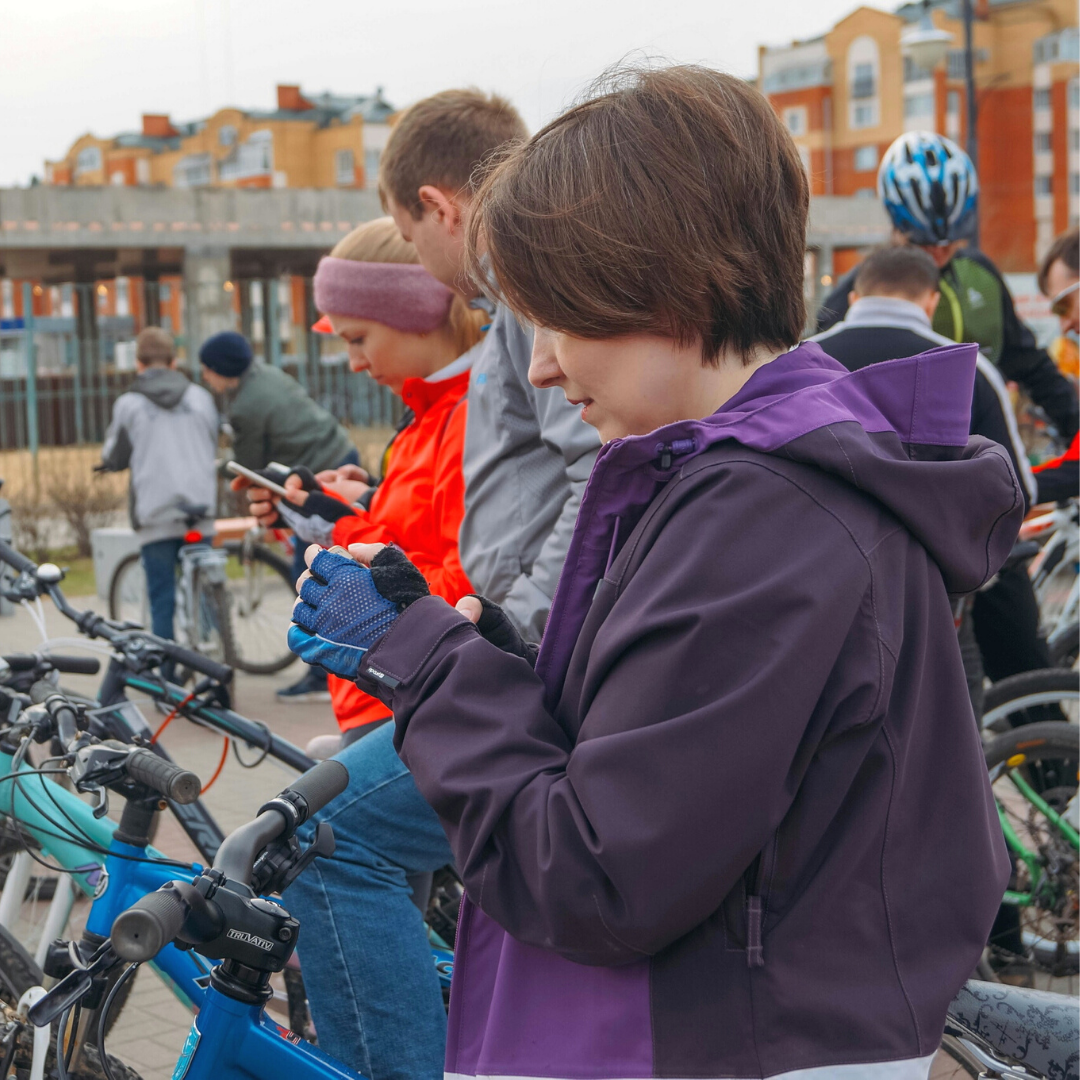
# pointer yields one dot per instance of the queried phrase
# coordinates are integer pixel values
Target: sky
(68, 67)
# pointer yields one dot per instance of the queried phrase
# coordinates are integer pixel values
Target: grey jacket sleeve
(564, 433)
(116, 451)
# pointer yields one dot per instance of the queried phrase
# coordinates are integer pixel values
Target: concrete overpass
(210, 236)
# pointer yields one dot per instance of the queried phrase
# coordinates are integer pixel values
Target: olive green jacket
(274, 419)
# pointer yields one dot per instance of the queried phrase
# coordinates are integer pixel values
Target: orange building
(845, 96)
(318, 141)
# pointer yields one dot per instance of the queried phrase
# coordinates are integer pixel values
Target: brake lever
(284, 860)
(73, 987)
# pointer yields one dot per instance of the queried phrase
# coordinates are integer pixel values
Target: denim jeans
(368, 970)
(159, 565)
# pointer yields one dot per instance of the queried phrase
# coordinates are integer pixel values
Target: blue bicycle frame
(115, 881)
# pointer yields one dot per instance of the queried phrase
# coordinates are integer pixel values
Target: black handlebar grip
(319, 785)
(221, 673)
(16, 559)
(69, 665)
(153, 921)
(163, 776)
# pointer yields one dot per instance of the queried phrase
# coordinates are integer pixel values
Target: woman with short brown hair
(735, 821)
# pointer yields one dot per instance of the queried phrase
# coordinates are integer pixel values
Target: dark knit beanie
(227, 353)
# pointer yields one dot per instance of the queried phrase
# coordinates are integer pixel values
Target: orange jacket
(418, 506)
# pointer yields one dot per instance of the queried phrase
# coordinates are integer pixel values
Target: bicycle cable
(104, 1018)
(265, 749)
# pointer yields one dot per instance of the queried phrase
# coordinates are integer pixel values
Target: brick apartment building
(324, 140)
(846, 95)
(308, 141)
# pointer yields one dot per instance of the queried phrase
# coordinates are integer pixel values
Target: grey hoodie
(164, 429)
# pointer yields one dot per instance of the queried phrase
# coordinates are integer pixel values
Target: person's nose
(544, 370)
(357, 360)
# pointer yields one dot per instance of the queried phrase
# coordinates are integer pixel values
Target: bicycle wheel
(128, 599)
(1065, 646)
(1031, 697)
(1033, 772)
(1056, 593)
(261, 591)
(19, 972)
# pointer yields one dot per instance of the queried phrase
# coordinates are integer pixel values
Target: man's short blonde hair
(155, 346)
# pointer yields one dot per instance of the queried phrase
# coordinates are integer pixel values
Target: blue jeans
(159, 565)
(370, 978)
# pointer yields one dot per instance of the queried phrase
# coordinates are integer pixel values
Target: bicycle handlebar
(67, 665)
(221, 673)
(164, 777)
(153, 921)
(16, 560)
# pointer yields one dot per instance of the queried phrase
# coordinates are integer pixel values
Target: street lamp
(925, 43)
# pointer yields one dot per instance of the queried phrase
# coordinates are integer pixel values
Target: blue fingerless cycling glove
(345, 608)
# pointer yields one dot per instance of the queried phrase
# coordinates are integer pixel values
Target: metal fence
(61, 392)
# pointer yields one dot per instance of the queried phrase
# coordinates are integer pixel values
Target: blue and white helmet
(929, 187)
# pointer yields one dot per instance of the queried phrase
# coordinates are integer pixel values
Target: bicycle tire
(1065, 646)
(282, 571)
(1047, 754)
(19, 972)
(116, 599)
(1010, 701)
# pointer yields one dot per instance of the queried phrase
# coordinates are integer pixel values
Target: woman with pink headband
(409, 332)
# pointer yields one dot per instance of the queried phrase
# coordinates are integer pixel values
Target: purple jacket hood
(896, 430)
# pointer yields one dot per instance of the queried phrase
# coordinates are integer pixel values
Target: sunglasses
(1061, 304)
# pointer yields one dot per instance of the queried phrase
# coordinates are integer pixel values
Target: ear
(930, 302)
(444, 207)
(852, 297)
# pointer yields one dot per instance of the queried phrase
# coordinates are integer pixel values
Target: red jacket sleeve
(436, 555)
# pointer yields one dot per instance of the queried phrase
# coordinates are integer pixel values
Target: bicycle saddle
(192, 513)
(1038, 1029)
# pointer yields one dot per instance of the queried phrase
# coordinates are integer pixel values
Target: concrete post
(209, 306)
(272, 318)
(31, 374)
(152, 301)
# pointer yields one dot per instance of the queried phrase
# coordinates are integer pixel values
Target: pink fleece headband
(402, 295)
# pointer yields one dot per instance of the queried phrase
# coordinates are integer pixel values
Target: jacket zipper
(752, 882)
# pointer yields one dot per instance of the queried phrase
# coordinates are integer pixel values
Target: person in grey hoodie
(164, 429)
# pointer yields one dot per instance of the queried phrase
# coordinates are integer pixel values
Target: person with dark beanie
(274, 419)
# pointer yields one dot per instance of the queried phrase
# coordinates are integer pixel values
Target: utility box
(109, 547)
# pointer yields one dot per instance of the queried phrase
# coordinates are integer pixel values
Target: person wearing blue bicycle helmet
(930, 189)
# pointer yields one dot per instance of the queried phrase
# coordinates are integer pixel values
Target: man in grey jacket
(164, 429)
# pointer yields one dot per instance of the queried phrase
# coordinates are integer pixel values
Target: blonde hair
(379, 241)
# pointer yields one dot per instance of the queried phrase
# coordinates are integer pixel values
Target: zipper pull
(755, 956)
(667, 451)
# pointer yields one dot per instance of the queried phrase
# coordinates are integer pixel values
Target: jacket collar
(420, 394)
(889, 311)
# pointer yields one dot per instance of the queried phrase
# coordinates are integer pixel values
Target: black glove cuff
(496, 627)
(320, 505)
(307, 478)
(396, 578)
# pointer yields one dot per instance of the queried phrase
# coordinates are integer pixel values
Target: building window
(226, 135)
(194, 170)
(1042, 142)
(914, 73)
(7, 299)
(795, 120)
(117, 179)
(142, 170)
(866, 158)
(957, 62)
(863, 66)
(1074, 94)
(89, 160)
(344, 168)
(123, 296)
(1043, 185)
(804, 157)
(1042, 100)
(371, 167)
(255, 157)
(918, 105)
(165, 292)
(1074, 139)
(1063, 45)
(1074, 183)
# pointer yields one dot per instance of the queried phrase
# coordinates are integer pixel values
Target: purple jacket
(737, 821)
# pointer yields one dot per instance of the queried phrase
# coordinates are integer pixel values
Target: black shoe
(312, 687)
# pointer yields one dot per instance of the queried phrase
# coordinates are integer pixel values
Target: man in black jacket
(894, 295)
